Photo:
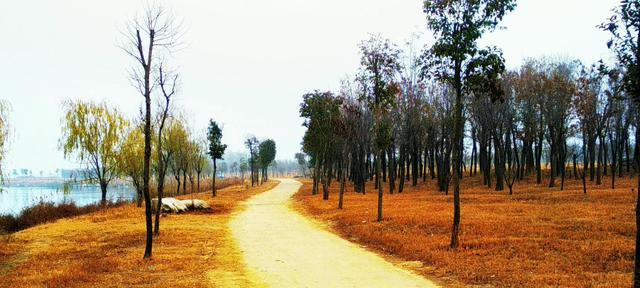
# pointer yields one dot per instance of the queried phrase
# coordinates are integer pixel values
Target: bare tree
(167, 82)
(145, 38)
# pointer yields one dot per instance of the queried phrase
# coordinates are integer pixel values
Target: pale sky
(247, 63)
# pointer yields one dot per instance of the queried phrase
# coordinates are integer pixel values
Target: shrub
(44, 212)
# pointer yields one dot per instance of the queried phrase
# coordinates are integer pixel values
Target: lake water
(14, 198)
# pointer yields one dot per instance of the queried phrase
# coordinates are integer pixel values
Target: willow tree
(457, 26)
(624, 26)
(200, 160)
(92, 133)
(174, 139)
(130, 159)
(4, 133)
(216, 149)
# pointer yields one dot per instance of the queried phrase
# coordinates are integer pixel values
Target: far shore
(36, 181)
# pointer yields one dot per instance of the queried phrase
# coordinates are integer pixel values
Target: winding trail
(284, 249)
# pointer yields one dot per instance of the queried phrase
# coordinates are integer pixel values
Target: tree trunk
(342, 184)
(213, 179)
(392, 168)
(146, 173)
(380, 189)
(139, 196)
(103, 189)
(599, 169)
(316, 176)
(636, 271)
(402, 170)
(553, 162)
(539, 160)
(198, 181)
(184, 182)
(457, 134)
(177, 177)
(575, 166)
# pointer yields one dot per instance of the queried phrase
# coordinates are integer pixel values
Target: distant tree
(224, 168)
(5, 108)
(175, 139)
(483, 78)
(130, 159)
(243, 167)
(234, 168)
(320, 110)
(194, 155)
(624, 26)
(93, 133)
(266, 156)
(301, 158)
(216, 149)
(252, 144)
(457, 26)
(200, 160)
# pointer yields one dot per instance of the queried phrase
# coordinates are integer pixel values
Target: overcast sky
(247, 62)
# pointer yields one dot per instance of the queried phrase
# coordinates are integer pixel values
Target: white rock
(173, 205)
(196, 204)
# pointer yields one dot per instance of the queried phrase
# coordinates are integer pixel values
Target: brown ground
(105, 249)
(538, 237)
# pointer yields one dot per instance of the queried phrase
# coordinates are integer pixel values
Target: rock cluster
(173, 205)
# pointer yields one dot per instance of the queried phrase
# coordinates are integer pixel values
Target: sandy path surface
(284, 249)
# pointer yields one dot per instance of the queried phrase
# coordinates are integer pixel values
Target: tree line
(453, 110)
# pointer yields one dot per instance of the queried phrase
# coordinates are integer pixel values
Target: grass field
(105, 249)
(538, 237)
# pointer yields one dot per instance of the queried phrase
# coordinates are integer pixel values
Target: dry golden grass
(538, 237)
(105, 249)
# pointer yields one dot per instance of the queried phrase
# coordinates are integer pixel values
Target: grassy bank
(538, 237)
(104, 249)
(44, 212)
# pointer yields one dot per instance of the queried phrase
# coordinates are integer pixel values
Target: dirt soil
(282, 248)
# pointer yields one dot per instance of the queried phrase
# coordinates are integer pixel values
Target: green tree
(216, 149)
(320, 110)
(457, 26)
(92, 133)
(266, 155)
(379, 62)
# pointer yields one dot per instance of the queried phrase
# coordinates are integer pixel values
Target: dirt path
(284, 249)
